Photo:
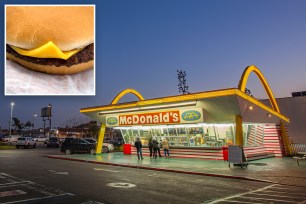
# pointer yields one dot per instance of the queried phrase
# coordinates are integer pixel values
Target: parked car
(5, 139)
(13, 138)
(115, 141)
(61, 140)
(53, 142)
(41, 138)
(77, 145)
(106, 147)
(25, 142)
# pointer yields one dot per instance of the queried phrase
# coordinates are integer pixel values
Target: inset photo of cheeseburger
(51, 39)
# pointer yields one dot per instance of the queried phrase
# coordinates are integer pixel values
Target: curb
(161, 169)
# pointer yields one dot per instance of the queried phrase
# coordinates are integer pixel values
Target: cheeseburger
(51, 39)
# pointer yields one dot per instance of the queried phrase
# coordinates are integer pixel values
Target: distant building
(299, 93)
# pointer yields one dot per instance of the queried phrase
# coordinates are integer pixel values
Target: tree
(181, 76)
(248, 92)
(76, 121)
(93, 129)
(18, 125)
(28, 124)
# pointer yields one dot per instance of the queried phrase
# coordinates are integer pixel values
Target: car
(77, 145)
(91, 140)
(5, 139)
(41, 138)
(25, 142)
(53, 142)
(61, 140)
(115, 141)
(106, 147)
(13, 138)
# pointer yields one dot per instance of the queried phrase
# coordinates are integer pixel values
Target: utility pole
(12, 106)
(46, 114)
(50, 109)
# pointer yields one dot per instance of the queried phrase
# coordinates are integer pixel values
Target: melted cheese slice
(48, 50)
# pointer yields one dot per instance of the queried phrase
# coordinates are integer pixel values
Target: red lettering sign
(169, 117)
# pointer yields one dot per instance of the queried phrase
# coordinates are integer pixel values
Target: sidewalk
(273, 170)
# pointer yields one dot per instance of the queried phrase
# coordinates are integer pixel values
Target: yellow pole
(285, 138)
(239, 134)
(100, 139)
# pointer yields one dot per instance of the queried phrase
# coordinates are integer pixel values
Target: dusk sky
(141, 43)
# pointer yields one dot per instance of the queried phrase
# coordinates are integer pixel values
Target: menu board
(236, 154)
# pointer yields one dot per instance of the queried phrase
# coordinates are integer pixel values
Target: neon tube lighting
(118, 111)
(149, 107)
(169, 106)
(173, 126)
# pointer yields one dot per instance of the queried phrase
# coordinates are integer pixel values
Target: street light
(34, 116)
(12, 106)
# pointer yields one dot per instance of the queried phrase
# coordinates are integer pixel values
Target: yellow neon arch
(242, 86)
(244, 79)
(124, 92)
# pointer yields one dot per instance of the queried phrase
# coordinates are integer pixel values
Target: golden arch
(244, 79)
(242, 85)
(124, 92)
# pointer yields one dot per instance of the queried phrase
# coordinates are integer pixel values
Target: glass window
(253, 134)
(206, 135)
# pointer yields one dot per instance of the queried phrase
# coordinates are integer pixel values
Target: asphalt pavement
(28, 176)
(271, 170)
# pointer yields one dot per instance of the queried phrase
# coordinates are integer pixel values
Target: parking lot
(18, 190)
(28, 176)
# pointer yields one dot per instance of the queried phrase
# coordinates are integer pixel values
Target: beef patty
(85, 55)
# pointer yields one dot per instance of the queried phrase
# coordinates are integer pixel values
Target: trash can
(127, 149)
(225, 153)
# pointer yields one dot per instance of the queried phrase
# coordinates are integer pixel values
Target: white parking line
(99, 169)
(11, 193)
(273, 193)
(268, 199)
(59, 172)
(46, 192)
(279, 196)
(238, 195)
(286, 192)
(2, 185)
(35, 199)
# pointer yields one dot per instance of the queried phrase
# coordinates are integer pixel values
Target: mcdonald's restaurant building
(197, 125)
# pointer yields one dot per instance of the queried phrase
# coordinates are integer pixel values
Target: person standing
(166, 147)
(150, 144)
(138, 146)
(159, 147)
(155, 147)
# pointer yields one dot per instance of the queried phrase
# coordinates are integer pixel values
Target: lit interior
(194, 135)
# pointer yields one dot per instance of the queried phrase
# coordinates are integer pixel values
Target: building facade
(199, 121)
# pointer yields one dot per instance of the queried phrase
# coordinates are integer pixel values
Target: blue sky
(141, 43)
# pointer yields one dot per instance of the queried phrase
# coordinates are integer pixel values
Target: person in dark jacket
(150, 144)
(138, 146)
(155, 148)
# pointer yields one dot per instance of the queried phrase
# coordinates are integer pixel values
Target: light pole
(34, 116)
(12, 106)
(50, 109)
